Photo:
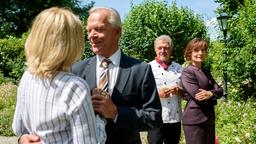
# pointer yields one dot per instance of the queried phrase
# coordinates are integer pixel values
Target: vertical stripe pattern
(59, 110)
(104, 75)
(103, 84)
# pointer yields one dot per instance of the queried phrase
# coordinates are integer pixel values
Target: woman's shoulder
(188, 69)
(71, 79)
(189, 72)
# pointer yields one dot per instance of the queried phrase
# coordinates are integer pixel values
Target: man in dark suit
(133, 103)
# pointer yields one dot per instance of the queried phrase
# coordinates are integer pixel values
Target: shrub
(241, 53)
(235, 122)
(12, 57)
(7, 107)
(4, 79)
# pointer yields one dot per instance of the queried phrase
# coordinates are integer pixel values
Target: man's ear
(119, 31)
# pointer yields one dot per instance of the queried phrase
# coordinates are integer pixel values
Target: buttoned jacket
(193, 79)
(171, 106)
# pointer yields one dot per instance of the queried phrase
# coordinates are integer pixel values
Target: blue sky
(205, 8)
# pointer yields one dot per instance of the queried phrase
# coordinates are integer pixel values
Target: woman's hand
(203, 95)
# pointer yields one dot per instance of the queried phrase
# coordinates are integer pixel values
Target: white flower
(238, 140)
(245, 114)
(247, 135)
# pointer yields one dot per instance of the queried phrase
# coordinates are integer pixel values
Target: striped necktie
(104, 76)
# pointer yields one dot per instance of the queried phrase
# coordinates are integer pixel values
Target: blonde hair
(113, 17)
(55, 42)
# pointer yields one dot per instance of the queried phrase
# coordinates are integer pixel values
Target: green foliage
(235, 122)
(12, 57)
(241, 53)
(215, 53)
(87, 50)
(4, 79)
(152, 18)
(230, 6)
(16, 15)
(7, 108)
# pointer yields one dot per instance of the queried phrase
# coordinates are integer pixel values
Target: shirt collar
(115, 58)
(165, 65)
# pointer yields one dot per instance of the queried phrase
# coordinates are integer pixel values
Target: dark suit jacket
(135, 96)
(193, 79)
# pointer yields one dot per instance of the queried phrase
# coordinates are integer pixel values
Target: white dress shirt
(113, 69)
(59, 111)
(171, 106)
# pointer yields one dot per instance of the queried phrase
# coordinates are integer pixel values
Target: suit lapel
(90, 71)
(123, 75)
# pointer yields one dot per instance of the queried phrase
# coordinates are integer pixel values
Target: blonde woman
(53, 103)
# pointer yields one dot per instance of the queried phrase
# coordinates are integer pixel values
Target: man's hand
(164, 92)
(102, 103)
(176, 90)
(29, 139)
(203, 95)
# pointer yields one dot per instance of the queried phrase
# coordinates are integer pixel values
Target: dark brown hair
(193, 44)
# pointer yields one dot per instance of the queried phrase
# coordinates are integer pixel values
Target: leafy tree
(16, 15)
(153, 18)
(241, 50)
(230, 6)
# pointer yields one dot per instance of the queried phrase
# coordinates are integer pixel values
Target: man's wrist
(115, 118)
(116, 115)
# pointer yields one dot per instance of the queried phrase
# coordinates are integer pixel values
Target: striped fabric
(59, 111)
(104, 76)
(103, 84)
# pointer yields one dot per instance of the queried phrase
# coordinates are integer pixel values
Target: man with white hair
(167, 76)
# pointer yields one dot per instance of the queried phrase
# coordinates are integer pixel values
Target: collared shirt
(113, 69)
(171, 106)
(59, 111)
